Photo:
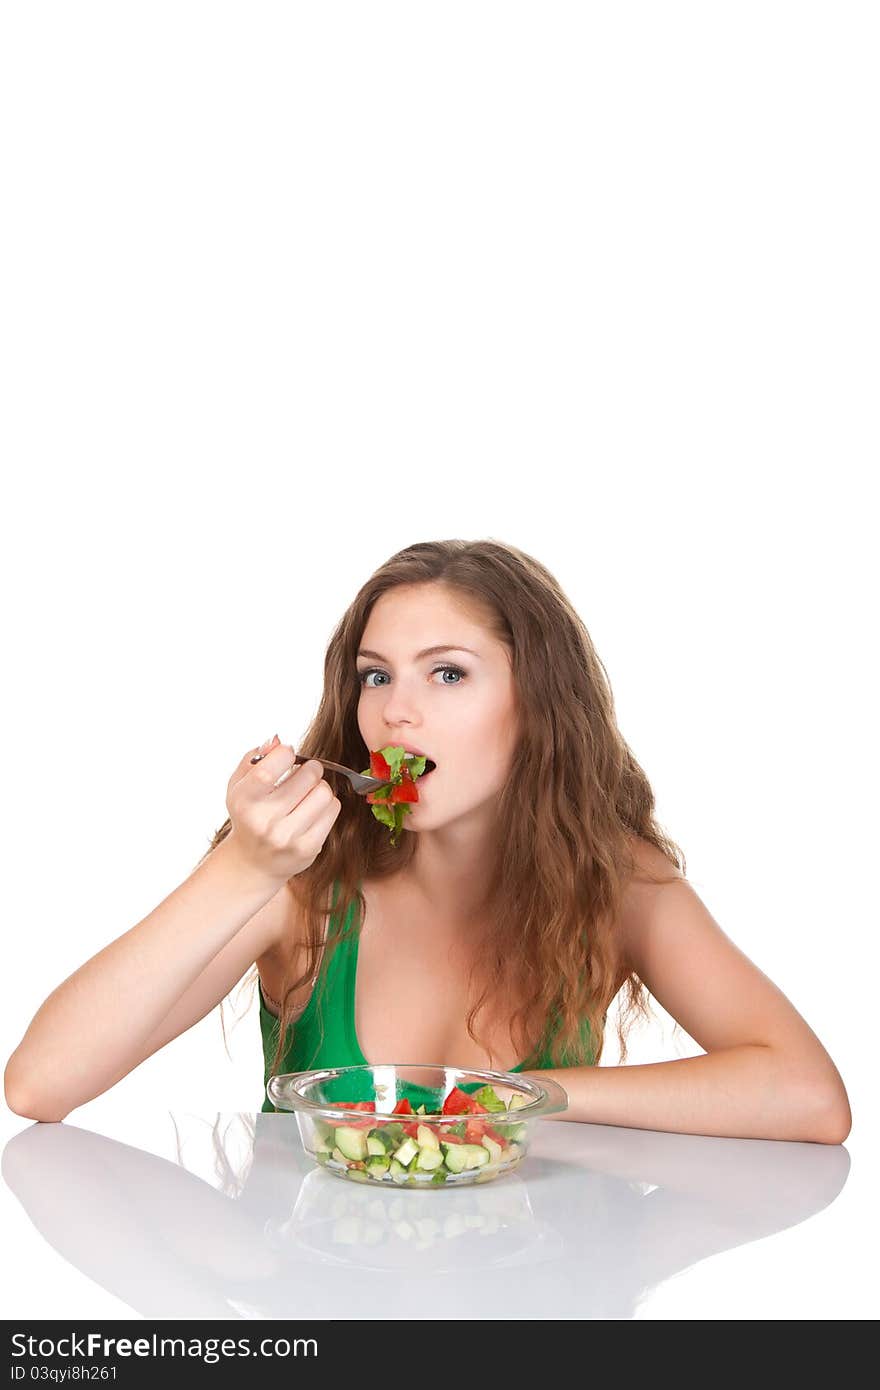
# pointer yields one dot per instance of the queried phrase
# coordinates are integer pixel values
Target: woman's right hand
(279, 831)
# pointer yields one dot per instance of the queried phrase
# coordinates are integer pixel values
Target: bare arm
(146, 987)
(171, 969)
(765, 1074)
(751, 1091)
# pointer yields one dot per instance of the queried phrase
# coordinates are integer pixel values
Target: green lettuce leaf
(486, 1096)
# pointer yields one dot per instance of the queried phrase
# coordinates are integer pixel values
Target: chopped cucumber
(494, 1148)
(428, 1160)
(462, 1156)
(352, 1142)
(377, 1167)
(389, 1136)
(375, 1145)
(426, 1138)
(407, 1152)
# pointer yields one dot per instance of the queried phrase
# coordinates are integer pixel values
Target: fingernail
(264, 748)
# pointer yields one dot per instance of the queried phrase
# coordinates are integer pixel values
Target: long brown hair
(574, 801)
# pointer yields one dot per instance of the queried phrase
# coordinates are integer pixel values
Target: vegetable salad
(406, 1151)
(398, 770)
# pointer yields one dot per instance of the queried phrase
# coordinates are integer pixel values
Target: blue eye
(377, 671)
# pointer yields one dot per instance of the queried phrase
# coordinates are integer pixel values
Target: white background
(287, 288)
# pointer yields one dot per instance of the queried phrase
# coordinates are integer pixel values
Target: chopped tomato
(379, 767)
(406, 789)
(476, 1130)
(352, 1105)
(403, 1107)
(458, 1102)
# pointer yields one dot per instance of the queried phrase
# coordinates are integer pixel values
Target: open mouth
(430, 765)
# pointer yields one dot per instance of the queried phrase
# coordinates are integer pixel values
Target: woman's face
(458, 707)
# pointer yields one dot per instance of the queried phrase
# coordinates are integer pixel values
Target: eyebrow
(427, 651)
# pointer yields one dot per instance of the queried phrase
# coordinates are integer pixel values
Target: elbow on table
(839, 1125)
(812, 1092)
(20, 1102)
(20, 1105)
(831, 1120)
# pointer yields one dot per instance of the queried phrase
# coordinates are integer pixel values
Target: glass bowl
(350, 1122)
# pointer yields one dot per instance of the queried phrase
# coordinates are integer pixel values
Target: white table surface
(177, 1215)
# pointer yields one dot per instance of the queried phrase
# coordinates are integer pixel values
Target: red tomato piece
(381, 798)
(340, 1105)
(477, 1130)
(405, 790)
(403, 1107)
(458, 1102)
(474, 1131)
(352, 1105)
(379, 767)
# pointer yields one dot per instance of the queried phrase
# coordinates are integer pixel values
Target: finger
(313, 765)
(265, 767)
(251, 756)
(307, 821)
(263, 749)
(314, 815)
(286, 781)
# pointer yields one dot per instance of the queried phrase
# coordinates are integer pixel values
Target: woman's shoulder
(652, 866)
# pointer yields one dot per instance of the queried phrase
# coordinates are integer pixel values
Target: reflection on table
(592, 1222)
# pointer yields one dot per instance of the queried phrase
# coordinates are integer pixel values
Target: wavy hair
(573, 806)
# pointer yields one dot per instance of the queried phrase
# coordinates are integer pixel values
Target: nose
(399, 707)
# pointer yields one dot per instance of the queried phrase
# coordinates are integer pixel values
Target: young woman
(531, 885)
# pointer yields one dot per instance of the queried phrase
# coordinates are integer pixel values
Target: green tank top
(324, 1033)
